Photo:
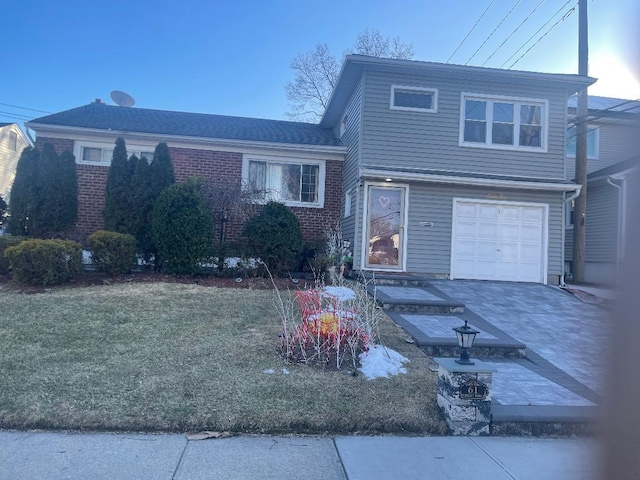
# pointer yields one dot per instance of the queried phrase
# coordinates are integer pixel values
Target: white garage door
(498, 241)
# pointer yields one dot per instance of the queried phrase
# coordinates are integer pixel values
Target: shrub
(274, 235)
(183, 228)
(5, 242)
(112, 252)
(45, 262)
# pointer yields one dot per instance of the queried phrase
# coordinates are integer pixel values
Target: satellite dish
(122, 99)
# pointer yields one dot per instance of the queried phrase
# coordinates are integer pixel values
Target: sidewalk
(25, 455)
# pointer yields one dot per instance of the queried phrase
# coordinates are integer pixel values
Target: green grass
(173, 357)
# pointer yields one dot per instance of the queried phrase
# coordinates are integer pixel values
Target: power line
(494, 31)
(564, 17)
(24, 117)
(603, 112)
(514, 31)
(537, 31)
(472, 29)
(24, 108)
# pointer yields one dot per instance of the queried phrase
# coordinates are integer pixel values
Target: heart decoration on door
(384, 201)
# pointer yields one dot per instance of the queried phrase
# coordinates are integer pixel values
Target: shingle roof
(617, 105)
(161, 122)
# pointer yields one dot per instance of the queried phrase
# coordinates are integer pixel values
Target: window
(593, 142)
(570, 214)
(102, 155)
(293, 182)
(506, 123)
(347, 204)
(415, 99)
(343, 124)
(13, 141)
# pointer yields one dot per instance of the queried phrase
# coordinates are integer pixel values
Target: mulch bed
(584, 297)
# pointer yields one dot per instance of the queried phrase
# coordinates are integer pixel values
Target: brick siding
(211, 165)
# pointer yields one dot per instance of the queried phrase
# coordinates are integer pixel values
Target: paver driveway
(554, 324)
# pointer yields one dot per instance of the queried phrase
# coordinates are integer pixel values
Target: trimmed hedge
(45, 262)
(112, 252)
(275, 236)
(5, 242)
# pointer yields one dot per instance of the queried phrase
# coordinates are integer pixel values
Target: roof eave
(470, 181)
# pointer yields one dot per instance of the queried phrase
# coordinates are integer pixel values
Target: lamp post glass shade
(466, 335)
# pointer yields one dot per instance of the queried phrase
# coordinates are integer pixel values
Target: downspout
(564, 225)
(621, 215)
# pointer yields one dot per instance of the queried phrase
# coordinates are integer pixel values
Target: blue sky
(232, 57)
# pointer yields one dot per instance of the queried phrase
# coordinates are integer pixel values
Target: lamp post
(466, 335)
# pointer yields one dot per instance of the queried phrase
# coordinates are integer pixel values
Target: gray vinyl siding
(601, 225)
(429, 248)
(421, 140)
(9, 158)
(352, 139)
(618, 142)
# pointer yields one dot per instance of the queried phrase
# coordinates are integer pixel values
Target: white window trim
(292, 160)
(433, 91)
(343, 124)
(133, 148)
(516, 124)
(597, 144)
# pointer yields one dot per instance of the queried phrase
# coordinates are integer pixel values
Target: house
(453, 171)
(297, 163)
(12, 142)
(442, 170)
(613, 161)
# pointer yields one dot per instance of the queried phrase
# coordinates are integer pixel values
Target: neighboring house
(453, 171)
(12, 142)
(297, 163)
(613, 165)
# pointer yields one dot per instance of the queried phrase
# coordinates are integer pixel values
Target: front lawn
(175, 357)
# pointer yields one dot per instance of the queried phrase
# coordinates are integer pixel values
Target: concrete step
(386, 278)
(414, 299)
(435, 336)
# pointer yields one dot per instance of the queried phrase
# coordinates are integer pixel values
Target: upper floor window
(415, 99)
(102, 155)
(503, 122)
(593, 142)
(290, 181)
(13, 141)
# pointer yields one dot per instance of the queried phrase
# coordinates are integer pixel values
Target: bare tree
(316, 72)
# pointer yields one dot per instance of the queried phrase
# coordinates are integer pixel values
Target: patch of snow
(285, 371)
(344, 294)
(269, 371)
(381, 361)
(236, 262)
(86, 257)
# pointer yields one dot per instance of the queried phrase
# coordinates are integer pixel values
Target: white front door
(385, 227)
(499, 241)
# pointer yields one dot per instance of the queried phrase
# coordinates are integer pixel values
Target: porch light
(346, 244)
(466, 335)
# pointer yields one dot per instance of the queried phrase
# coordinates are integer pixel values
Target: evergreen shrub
(274, 235)
(5, 242)
(112, 252)
(182, 227)
(45, 262)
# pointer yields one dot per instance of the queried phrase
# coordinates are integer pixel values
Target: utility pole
(580, 209)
